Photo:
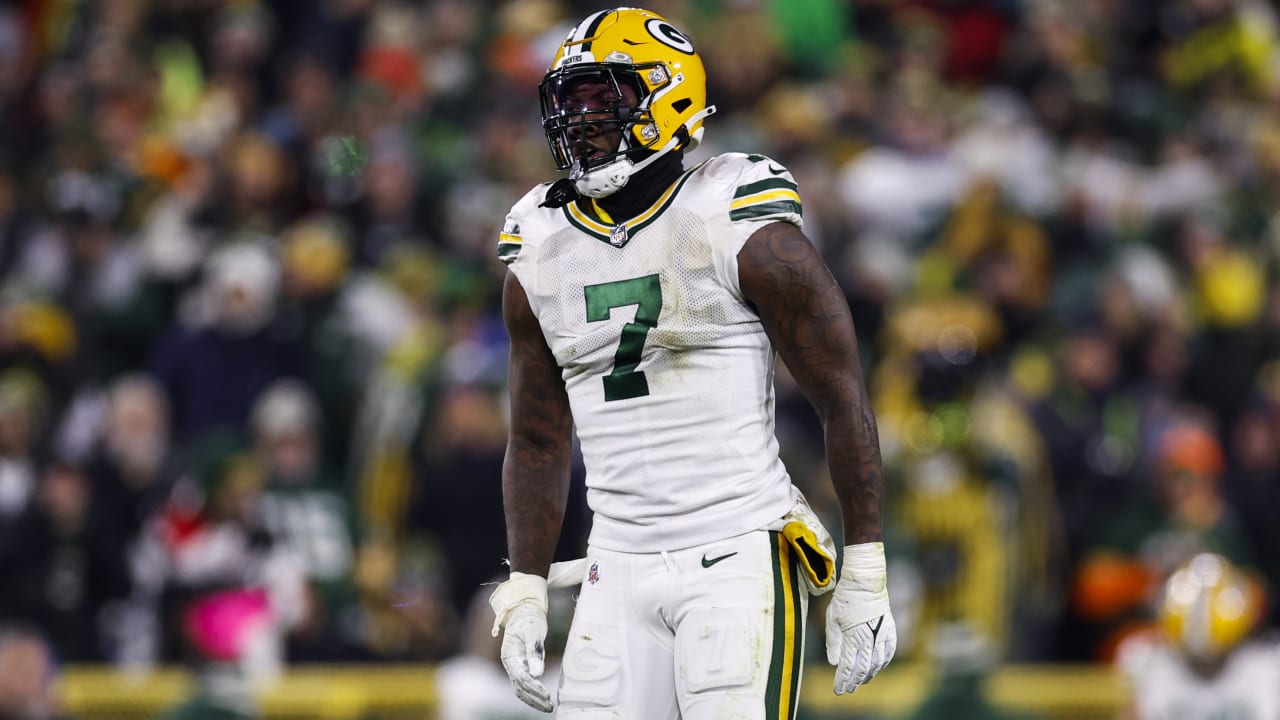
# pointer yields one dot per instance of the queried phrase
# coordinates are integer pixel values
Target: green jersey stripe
(507, 251)
(797, 637)
(766, 184)
(777, 207)
(773, 686)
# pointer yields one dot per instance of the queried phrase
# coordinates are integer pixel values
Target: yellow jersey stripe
(587, 220)
(785, 700)
(782, 688)
(767, 196)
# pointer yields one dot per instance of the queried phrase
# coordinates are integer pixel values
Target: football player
(1200, 666)
(646, 303)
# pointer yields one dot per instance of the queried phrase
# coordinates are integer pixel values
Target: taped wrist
(522, 592)
(861, 594)
(864, 567)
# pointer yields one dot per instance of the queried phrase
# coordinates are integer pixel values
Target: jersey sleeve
(509, 240)
(761, 191)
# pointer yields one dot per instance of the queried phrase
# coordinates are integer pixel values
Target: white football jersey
(668, 370)
(1164, 688)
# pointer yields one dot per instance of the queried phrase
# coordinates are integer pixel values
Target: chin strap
(609, 179)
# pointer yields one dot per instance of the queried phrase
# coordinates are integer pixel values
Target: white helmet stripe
(587, 27)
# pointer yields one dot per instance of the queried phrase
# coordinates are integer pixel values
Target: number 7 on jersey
(625, 382)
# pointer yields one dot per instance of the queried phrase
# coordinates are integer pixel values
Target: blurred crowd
(252, 365)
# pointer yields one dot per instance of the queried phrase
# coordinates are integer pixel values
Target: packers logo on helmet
(653, 93)
(1209, 606)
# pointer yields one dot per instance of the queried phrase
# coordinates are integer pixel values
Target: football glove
(520, 610)
(861, 635)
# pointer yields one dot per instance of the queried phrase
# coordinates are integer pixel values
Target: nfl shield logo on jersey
(593, 574)
(618, 237)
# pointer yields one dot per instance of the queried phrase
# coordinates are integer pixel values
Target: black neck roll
(643, 189)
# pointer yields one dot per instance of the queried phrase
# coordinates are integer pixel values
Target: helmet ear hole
(681, 105)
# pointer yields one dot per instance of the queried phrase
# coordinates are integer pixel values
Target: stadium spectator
(214, 371)
(305, 508)
(131, 464)
(210, 540)
(28, 675)
(1185, 513)
(21, 400)
(65, 565)
(1252, 487)
(1203, 658)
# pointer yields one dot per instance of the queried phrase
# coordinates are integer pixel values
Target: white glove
(520, 607)
(861, 635)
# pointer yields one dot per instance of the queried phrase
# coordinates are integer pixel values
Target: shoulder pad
(763, 188)
(727, 166)
(510, 240)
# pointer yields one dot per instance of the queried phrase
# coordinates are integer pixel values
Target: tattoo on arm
(535, 472)
(807, 318)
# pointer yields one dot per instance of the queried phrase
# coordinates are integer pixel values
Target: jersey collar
(601, 228)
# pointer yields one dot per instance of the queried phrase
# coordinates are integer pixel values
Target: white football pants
(714, 631)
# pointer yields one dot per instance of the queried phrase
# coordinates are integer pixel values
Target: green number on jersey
(625, 382)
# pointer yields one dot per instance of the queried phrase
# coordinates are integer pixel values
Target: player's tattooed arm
(535, 472)
(807, 318)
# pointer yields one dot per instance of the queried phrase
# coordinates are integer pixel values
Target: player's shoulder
(733, 166)
(757, 187)
(524, 214)
(530, 202)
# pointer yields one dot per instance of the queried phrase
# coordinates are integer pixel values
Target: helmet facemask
(597, 118)
(625, 88)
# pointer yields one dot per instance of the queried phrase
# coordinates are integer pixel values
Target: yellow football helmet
(1209, 606)
(623, 48)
